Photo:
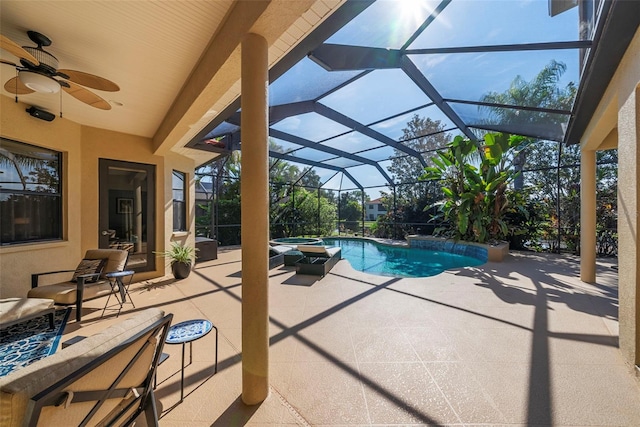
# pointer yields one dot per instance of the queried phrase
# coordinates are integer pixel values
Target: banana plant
(474, 178)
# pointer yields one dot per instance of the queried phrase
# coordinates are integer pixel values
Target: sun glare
(415, 11)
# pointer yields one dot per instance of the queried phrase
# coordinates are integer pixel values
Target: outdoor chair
(89, 279)
(317, 260)
(18, 310)
(277, 255)
(103, 380)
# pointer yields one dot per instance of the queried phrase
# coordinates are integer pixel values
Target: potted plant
(182, 257)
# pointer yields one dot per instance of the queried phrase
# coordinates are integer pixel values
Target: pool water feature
(384, 260)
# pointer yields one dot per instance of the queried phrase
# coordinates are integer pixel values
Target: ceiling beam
(222, 53)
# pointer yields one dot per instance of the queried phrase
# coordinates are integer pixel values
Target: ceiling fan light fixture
(39, 82)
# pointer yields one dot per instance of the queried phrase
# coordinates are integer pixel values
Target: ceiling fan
(38, 72)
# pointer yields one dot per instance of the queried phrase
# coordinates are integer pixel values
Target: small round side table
(188, 332)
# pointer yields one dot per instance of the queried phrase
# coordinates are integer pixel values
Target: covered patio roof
(340, 101)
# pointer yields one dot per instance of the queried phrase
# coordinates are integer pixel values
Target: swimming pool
(383, 260)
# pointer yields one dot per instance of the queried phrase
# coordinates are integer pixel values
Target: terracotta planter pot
(180, 270)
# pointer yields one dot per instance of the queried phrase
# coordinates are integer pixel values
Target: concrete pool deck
(521, 342)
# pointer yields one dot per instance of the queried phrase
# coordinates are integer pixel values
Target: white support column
(254, 189)
(628, 233)
(588, 216)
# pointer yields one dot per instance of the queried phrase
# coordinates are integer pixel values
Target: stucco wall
(82, 147)
(187, 166)
(619, 114)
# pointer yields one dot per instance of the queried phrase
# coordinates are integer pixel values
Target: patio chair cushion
(116, 259)
(88, 266)
(312, 249)
(12, 309)
(21, 385)
(320, 250)
(280, 249)
(65, 293)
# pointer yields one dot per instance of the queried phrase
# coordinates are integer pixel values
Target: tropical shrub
(526, 217)
(474, 179)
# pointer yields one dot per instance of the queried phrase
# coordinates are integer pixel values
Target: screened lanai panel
(385, 165)
(540, 154)
(377, 154)
(222, 129)
(311, 154)
(386, 24)
(536, 124)
(286, 171)
(310, 126)
(376, 95)
(507, 22)
(427, 155)
(474, 76)
(323, 174)
(479, 133)
(339, 182)
(353, 142)
(394, 127)
(342, 162)
(571, 155)
(367, 175)
(282, 146)
(293, 86)
(403, 169)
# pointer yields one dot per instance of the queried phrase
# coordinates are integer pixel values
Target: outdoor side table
(188, 332)
(117, 278)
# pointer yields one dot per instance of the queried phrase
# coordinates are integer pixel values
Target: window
(381, 208)
(30, 198)
(179, 201)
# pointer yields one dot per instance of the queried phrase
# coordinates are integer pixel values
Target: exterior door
(127, 214)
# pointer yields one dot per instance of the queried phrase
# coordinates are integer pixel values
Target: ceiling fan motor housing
(48, 62)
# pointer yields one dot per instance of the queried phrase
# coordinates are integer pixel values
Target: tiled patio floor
(522, 342)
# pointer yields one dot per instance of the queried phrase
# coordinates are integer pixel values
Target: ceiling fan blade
(90, 80)
(10, 46)
(15, 86)
(4, 61)
(86, 96)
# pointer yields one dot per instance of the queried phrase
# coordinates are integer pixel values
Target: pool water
(383, 260)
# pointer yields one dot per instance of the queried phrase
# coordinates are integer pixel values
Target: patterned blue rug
(27, 342)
